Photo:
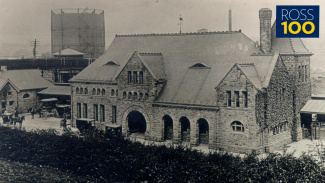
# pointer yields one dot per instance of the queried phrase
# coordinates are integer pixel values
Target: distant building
(18, 88)
(215, 88)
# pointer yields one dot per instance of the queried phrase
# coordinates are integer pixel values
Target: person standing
(32, 111)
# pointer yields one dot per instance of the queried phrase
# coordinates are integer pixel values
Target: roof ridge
(179, 34)
(292, 45)
(150, 53)
(303, 44)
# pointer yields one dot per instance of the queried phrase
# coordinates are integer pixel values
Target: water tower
(82, 30)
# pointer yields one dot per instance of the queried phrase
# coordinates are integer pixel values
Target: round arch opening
(185, 129)
(203, 131)
(136, 123)
(168, 127)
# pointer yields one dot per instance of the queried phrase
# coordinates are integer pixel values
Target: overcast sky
(21, 21)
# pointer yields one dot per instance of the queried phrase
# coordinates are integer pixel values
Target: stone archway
(185, 129)
(135, 110)
(168, 127)
(136, 123)
(203, 131)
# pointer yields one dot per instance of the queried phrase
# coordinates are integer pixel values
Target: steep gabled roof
(218, 50)
(286, 45)
(26, 79)
(154, 63)
(3, 83)
(250, 72)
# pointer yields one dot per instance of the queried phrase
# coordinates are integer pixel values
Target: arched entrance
(136, 123)
(168, 127)
(185, 129)
(203, 131)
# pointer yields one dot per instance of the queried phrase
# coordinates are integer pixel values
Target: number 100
(286, 27)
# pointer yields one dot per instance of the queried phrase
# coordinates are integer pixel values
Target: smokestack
(230, 29)
(265, 15)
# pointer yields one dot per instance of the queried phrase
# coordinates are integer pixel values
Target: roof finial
(180, 23)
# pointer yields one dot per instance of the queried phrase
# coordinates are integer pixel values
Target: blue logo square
(297, 21)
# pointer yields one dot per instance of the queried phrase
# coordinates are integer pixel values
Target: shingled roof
(219, 50)
(26, 79)
(286, 45)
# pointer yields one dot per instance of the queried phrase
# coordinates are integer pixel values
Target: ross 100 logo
(297, 21)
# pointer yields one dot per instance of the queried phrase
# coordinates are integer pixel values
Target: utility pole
(180, 23)
(34, 44)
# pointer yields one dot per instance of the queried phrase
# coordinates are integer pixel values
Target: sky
(22, 21)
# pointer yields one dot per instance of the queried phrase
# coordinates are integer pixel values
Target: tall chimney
(230, 28)
(265, 29)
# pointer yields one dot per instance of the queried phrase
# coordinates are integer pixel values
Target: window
(141, 77)
(146, 96)
(85, 111)
(102, 113)
(77, 90)
(96, 112)
(94, 91)
(237, 98)
(103, 91)
(129, 95)
(3, 105)
(86, 91)
(124, 95)
(135, 77)
(113, 114)
(112, 92)
(306, 72)
(9, 93)
(81, 90)
(245, 99)
(135, 95)
(129, 77)
(98, 91)
(11, 103)
(141, 96)
(229, 98)
(116, 92)
(26, 95)
(78, 110)
(237, 126)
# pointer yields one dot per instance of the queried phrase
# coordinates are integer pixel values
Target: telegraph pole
(180, 23)
(34, 44)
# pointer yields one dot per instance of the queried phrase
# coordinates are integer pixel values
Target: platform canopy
(49, 100)
(314, 107)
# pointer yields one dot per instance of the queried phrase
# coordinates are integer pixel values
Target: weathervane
(180, 23)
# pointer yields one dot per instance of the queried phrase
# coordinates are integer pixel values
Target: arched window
(77, 90)
(86, 91)
(112, 92)
(237, 126)
(98, 91)
(141, 96)
(135, 95)
(26, 95)
(124, 95)
(129, 95)
(146, 96)
(103, 91)
(94, 91)
(81, 90)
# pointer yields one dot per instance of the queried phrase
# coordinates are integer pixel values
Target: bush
(108, 158)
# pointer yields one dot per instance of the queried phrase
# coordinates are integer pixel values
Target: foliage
(108, 158)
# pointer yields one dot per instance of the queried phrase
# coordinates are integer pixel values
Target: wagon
(7, 117)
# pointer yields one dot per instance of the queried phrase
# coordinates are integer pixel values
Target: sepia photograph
(162, 91)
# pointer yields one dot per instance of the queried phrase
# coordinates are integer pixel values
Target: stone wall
(8, 97)
(24, 103)
(227, 138)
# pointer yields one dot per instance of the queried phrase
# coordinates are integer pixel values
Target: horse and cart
(11, 119)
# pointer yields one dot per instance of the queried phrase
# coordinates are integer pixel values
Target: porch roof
(314, 107)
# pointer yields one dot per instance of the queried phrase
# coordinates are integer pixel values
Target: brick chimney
(265, 29)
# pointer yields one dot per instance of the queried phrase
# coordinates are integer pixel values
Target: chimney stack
(230, 28)
(265, 15)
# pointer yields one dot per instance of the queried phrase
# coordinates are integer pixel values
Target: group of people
(12, 118)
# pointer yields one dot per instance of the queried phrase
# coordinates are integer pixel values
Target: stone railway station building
(215, 88)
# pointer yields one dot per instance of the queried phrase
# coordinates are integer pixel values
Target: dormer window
(199, 66)
(112, 63)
